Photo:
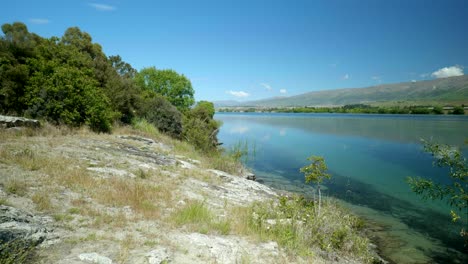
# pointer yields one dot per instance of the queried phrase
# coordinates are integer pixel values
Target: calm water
(369, 157)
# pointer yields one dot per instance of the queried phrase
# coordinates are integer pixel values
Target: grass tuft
(17, 187)
(197, 217)
(42, 201)
(293, 224)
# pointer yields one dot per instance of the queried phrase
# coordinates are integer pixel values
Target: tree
(316, 172)
(455, 191)
(161, 113)
(199, 127)
(458, 110)
(175, 87)
(16, 47)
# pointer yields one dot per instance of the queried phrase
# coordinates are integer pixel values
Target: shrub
(199, 127)
(158, 111)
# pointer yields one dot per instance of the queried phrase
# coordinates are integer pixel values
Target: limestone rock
(250, 176)
(19, 225)
(94, 258)
(158, 255)
(13, 121)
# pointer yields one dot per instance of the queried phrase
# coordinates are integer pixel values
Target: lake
(369, 157)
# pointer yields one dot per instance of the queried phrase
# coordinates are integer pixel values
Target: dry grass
(42, 200)
(16, 186)
(143, 197)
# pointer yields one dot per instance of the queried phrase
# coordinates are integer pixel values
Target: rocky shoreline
(84, 223)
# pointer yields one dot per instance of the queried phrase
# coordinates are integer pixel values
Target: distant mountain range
(453, 90)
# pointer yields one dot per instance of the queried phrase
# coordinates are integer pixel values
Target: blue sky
(247, 50)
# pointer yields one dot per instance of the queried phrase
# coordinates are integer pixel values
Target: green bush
(161, 113)
(66, 95)
(458, 110)
(199, 127)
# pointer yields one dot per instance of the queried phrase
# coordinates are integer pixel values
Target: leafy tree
(122, 68)
(438, 110)
(454, 192)
(175, 87)
(16, 47)
(316, 173)
(160, 112)
(199, 127)
(63, 88)
(458, 110)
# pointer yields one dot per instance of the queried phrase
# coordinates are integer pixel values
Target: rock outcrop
(14, 121)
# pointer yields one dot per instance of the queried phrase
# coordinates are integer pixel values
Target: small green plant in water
(242, 151)
(316, 173)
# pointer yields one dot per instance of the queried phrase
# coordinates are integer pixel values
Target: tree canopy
(176, 88)
(70, 80)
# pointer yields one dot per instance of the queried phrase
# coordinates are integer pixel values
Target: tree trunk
(320, 199)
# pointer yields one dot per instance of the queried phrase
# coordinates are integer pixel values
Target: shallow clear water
(369, 157)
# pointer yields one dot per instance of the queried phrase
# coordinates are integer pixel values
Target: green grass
(15, 186)
(4, 201)
(295, 226)
(197, 217)
(17, 251)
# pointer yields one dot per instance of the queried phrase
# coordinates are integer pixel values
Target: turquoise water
(369, 157)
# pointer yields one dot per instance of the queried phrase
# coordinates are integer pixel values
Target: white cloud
(102, 7)
(448, 72)
(239, 94)
(413, 81)
(377, 78)
(346, 76)
(283, 91)
(266, 86)
(424, 75)
(39, 21)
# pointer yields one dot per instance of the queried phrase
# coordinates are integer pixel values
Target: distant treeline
(355, 109)
(69, 80)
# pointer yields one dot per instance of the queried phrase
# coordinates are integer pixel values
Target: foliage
(353, 109)
(199, 127)
(458, 110)
(158, 111)
(17, 251)
(292, 223)
(454, 192)
(316, 173)
(69, 80)
(168, 83)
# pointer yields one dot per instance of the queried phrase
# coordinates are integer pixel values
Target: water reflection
(400, 128)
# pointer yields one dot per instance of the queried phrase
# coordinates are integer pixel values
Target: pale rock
(94, 258)
(158, 255)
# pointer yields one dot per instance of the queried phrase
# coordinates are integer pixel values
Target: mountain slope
(446, 90)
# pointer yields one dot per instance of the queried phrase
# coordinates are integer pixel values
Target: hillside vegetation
(69, 80)
(451, 91)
